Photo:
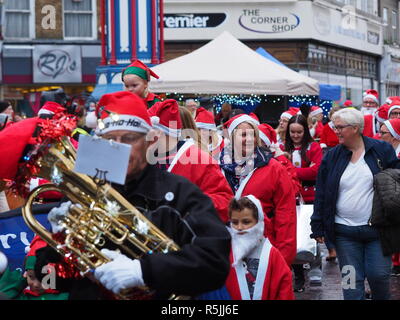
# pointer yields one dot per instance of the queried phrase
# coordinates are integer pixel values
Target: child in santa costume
(258, 270)
(184, 158)
(31, 285)
(136, 79)
(250, 169)
(209, 135)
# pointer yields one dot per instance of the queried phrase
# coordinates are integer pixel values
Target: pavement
(331, 284)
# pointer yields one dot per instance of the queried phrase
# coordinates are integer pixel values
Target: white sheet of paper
(98, 156)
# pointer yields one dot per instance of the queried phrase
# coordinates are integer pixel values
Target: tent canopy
(226, 65)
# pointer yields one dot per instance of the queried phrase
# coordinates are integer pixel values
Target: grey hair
(190, 101)
(350, 116)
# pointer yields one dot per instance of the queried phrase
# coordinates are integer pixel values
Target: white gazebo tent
(227, 66)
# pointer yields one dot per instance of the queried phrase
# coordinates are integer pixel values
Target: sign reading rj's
(57, 64)
(268, 21)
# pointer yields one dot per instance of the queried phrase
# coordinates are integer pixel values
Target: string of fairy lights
(252, 101)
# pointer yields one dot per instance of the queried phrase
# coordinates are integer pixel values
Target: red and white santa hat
(390, 100)
(371, 94)
(394, 105)
(267, 134)
(315, 110)
(382, 113)
(288, 114)
(393, 126)
(232, 123)
(51, 108)
(13, 141)
(205, 119)
(165, 117)
(255, 117)
(122, 110)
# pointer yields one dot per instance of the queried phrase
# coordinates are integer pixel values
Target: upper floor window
(80, 19)
(18, 18)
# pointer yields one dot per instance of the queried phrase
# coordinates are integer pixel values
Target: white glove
(120, 273)
(56, 215)
(274, 147)
(3, 262)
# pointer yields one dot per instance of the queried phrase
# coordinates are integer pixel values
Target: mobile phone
(3, 121)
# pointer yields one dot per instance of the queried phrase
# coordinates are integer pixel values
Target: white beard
(243, 244)
(367, 111)
(91, 120)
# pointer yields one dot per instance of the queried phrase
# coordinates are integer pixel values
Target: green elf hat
(30, 259)
(140, 69)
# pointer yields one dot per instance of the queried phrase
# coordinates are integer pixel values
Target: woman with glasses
(343, 206)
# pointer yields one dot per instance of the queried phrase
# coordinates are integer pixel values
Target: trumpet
(100, 217)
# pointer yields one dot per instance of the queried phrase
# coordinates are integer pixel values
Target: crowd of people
(226, 189)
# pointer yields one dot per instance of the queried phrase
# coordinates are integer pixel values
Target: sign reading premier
(193, 20)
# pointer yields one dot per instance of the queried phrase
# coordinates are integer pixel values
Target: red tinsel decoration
(51, 131)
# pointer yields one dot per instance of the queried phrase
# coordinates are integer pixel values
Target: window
(80, 19)
(18, 19)
(394, 26)
(385, 15)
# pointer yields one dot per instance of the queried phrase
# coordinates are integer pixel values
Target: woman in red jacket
(249, 169)
(305, 153)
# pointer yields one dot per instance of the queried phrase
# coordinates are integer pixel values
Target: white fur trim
(391, 129)
(125, 122)
(286, 115)
(392, 108)
(44, 111)
(207, 126)
(315, 112)
(167, 130)
(155, 120)
(239, 120)
(264, 138)
(371, 96)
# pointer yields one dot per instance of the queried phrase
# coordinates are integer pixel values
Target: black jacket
(379, 155)
(186, 215)
(386, 209)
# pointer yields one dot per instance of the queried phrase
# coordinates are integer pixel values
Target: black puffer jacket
(386, 209)
(185, 214)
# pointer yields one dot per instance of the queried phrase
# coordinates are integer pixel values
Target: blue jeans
(360, 256)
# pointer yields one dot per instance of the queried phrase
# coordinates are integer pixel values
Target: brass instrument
(99, 217)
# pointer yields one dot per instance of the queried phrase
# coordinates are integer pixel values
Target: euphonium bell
(100, 217)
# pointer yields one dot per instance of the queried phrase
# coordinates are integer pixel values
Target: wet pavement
(331, 284)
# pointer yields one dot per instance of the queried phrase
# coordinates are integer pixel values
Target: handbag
(306, 246)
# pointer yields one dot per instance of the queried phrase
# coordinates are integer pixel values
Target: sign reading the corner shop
(268, 21)
(57, 64)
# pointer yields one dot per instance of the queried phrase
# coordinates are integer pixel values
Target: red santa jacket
(201, 169)
(272, 185)
(291, 170)
(328, 137)
(273, 281)
(318, 130)
(308, 175)
(370, 128)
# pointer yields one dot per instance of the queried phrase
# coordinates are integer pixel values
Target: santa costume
(329, 138)
(205, 121)
(258, 270)
(138, 68)
(189, 161)
(268, 180)
(372, 96)
(381, 115)
(288, 114)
